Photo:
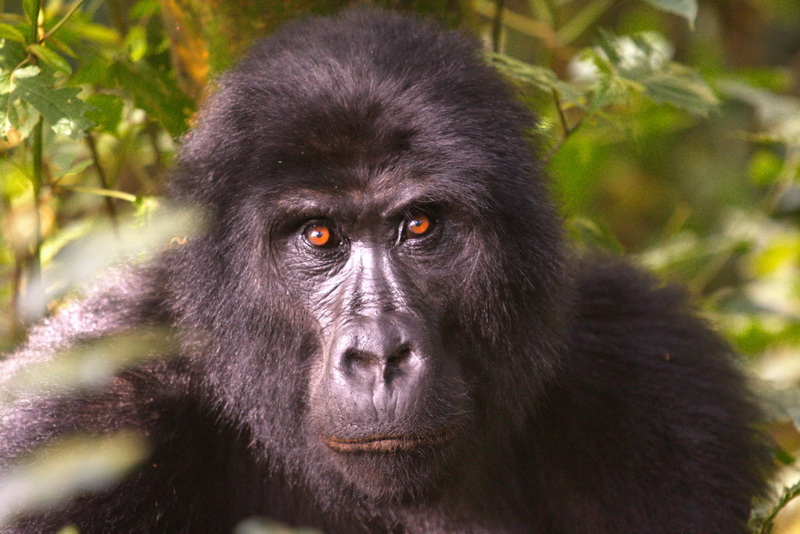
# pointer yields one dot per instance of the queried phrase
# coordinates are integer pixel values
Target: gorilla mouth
(389, 443)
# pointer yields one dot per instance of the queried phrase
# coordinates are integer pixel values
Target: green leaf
(136, 42)
(641, 64)
(153, 92)
(107, 112)
(681, 87)
(18, 115)
(61, 108)
(542, 78)
(6, 82)
(8, 31)
(683, 8)
(96, 33)
(50, 58)
(11, 54)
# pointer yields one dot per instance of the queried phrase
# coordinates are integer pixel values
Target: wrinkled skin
(382, 330)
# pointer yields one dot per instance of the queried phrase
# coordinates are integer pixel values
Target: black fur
(477, 378)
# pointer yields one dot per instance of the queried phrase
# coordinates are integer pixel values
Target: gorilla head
(383, 289)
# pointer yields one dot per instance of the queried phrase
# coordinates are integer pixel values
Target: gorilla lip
(389, 443)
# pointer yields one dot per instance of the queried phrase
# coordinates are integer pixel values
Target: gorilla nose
(376, 364)
(386, 365)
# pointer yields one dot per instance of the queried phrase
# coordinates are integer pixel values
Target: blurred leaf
(765, 167)
(107, 112)
(136, 41)
(50, 57)
(778, 115)
(67, 468)
(782, 404)
(11, 55)
(89, 366)
(16, 116)
(96, 33)
(683, 8)
(133, 240)
(8, 31)
(15, 182)
(784, 457)
(156, 95)
(781, 251)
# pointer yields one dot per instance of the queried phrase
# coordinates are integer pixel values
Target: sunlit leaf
(61, 108)
(641, 63)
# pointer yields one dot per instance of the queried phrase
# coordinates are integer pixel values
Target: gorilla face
(383, 265)
(374, 268)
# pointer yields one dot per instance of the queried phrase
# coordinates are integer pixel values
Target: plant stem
(101, 175)
(35, 297)
(64, 19)
(497, 25)
(35, 24)
(113, 193)
(568, 131)
(34, 301)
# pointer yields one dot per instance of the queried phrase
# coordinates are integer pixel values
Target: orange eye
(320, 235)
(418, 226)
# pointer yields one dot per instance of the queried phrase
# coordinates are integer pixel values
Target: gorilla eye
(321, 235)
(418, 225)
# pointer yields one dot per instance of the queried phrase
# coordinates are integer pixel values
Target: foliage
(662, 138)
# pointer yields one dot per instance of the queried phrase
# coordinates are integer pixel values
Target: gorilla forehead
(343, 101)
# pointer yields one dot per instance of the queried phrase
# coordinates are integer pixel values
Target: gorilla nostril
(395, 363)
(396, 358)
(355, 360)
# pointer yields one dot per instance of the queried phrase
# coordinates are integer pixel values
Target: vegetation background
(670, 128)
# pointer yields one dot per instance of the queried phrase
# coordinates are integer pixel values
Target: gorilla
(382, 329)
